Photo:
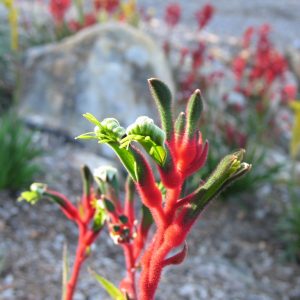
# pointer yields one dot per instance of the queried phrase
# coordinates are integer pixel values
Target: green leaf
(65, 273)
(86, 136)
(163, 99)
(92, 119)
(158, 153)
(127, 159)
(110, 288)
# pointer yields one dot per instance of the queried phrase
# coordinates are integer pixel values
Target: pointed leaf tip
(193, 111)
(180, 123)
(177, 258)
(110, 288)
(228, 170)
(87, 179)
(163, 99)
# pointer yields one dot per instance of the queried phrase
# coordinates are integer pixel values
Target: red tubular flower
(74, 25)
(256, 73)
(108, 5)
(198, 56)
(238, 67)
(247, 36)
(204, 15)
(289, 93)
(183, 54)
(172, 14)
(58, 9)
(66, 205)
(89, 19)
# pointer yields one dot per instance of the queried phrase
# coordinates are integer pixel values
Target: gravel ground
(234, 251)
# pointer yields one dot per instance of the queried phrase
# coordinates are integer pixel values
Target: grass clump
(17, 153)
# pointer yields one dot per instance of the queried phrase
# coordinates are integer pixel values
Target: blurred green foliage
(6, 74)
(290, 229)
(17, 153)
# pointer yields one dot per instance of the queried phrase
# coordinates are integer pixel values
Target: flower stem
(79, 259)
(130, 267)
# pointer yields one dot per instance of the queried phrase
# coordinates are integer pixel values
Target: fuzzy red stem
(79, 259)
(171, 199)
(130, 267)
(152, 265)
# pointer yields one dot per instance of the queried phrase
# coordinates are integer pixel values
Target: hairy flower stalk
(89, 217)
(178, 150)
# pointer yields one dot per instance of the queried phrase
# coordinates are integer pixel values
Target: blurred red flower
(238, 66)
(108, 5)
(89, 19)
(172, 14)
(204, 15)
(289, 93)
(248, 34)
(58, 9)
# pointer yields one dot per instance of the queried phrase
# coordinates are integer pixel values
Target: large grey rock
(102, 70)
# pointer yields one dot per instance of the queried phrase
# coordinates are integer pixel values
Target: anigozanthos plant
(13, 23)
(89, 217)
(178, 150)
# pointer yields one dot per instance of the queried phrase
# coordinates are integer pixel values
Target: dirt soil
(234, 250)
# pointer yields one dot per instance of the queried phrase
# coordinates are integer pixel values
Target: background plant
(290, 224)
(9, 43)
(102, 11)
(248, 95)
(17, 153)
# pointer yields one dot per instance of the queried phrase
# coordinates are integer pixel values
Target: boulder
(102, 70)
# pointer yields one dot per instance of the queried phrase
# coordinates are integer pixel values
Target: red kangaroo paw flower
(199, 160)
(172, 14)
(66, 206)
